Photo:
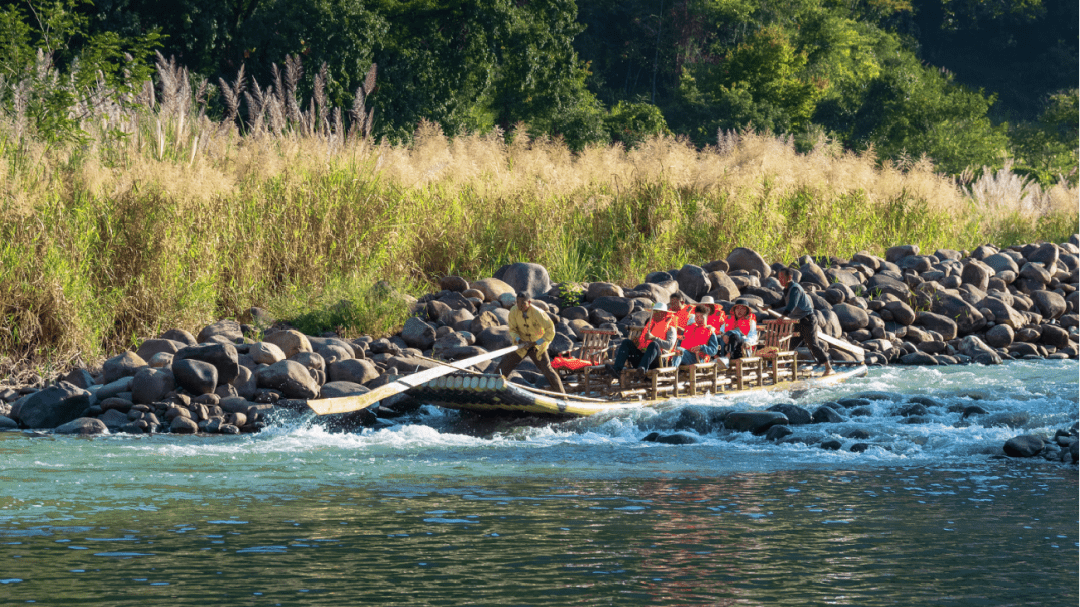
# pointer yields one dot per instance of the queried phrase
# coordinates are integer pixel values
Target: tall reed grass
(165, 218)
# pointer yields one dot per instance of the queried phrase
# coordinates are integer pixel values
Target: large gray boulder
(1027, 445)
(894, 254)
(887, 284)
(756, 422)
(901, 312)
(977, 274)
(122, 365)
(150, 347)
(353, 370)
(619, 307)
(795, 414)
(196, 376)
(1000, 336)
(978, 349)
(597, 290)
(229, 329)
(338, 389)
(812, 274)
(693, 281)
(492, 288)
(418, 334)
(84, 426)
(493, 338)
(1053, 335)
(1047, 254)
(1004, 314)
(1051, 305)
(1001, 262)
(852, 318)
(747, 259)
(222, 356)
(288, 377)
(56, 405)
(965, 316)
(531, 278)
(723, 288)
(151, 385)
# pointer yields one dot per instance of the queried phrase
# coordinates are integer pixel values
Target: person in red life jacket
(742, 319)
(657, 337)
(716, 318)
(679, 312)
(699, 342)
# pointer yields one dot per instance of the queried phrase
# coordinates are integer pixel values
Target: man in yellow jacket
(533, 330)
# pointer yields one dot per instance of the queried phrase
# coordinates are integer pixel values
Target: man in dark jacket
(801, 309)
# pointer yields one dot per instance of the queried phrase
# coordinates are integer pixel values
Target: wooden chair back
(777, 334)
(594, 345)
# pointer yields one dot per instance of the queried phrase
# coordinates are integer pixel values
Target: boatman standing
(533, 331)
(799, 308)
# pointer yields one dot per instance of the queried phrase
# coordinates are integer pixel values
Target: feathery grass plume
(294, 70)
(256, 105)
(232, 95)
(319, 99)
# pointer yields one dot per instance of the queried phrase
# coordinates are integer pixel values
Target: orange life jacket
(654, 330)
(697, 335)
(742, 324)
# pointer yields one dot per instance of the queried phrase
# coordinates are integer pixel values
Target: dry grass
(184, 220)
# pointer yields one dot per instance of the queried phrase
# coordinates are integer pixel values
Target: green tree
(1046, 149)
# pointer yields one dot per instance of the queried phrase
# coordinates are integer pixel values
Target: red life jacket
(696, 335)
(682, 317)
(717, 320)
(654, 330)
(742, 324)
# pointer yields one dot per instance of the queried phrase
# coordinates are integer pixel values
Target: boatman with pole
(533, 331)
(799, 308)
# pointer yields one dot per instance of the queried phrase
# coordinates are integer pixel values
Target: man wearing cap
(799, 308)
(533, 331)
(657, 337)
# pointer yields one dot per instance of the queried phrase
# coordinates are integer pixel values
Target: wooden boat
(487, 393)
(591, 389)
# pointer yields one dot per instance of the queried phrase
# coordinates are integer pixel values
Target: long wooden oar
(347, 404)
(854, 350)
(526, 388)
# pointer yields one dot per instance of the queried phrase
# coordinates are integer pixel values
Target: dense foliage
(965, 82)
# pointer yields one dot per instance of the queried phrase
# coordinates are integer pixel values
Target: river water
(446, 509)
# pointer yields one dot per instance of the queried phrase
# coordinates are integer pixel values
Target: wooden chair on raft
(595, 345)
(662, 381)
(771, 359)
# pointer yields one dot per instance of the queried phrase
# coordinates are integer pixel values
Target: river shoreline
(983, 307)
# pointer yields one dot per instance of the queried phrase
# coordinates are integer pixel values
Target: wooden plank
(348, 404)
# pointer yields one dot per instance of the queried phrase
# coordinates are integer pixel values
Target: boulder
(150, 347)
(494, 338)
(619, 307)
(531, 278)
(894, 254)
(332, 349)
(1050, 304)
(353, 370)
(918, 358)
(288, 377)
(179, 335)
(290, 341)
(851, 318)
(678, 438)
(938, 323)
(977, 274)
(812, 274)
(453, 283)
(882, 283)
(151, 385)
(1053, 335)
(1004, 314)
(1000, 262)
(723, 289)
(1047, 254)
(776, 433)
(901, 312)
(1035, 272)
(492, 288)
(227, 329)
(418, 334)
(122, 365)
(795, 414)
(83, 425)
(597, 290)
(245, 384)
(196, 376)
(485, 320)
(999, 336)
(183, 425)
(748, 260)
(756, 422)
(265, 353)
(1026, 445)
(965, 316)
(337, 389)
(223, 356)
(973, 346)
(693, 281)
(826, 415)
(56, 405)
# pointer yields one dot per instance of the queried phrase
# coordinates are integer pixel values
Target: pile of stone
(949, 307)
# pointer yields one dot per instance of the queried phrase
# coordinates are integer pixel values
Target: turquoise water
(443, 509)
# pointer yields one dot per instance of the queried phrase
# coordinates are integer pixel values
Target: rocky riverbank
(950, 307)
